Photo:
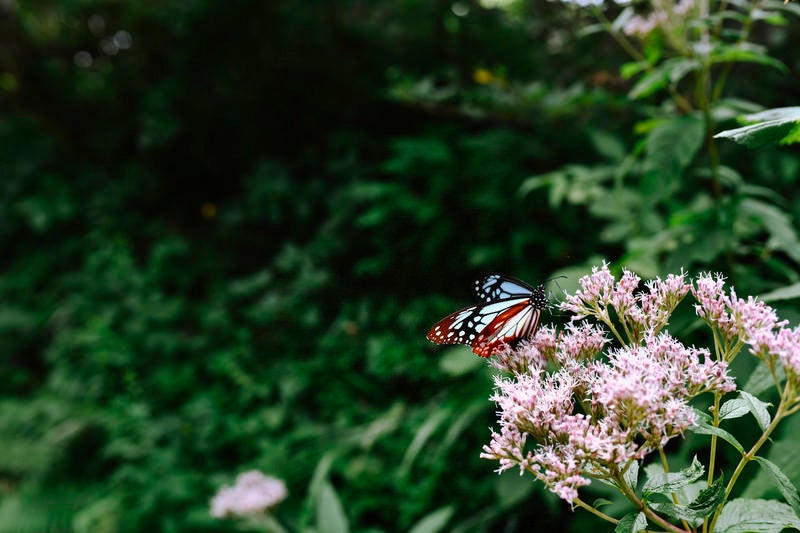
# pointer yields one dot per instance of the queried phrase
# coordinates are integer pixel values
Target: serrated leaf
(783, 454)
(733, 408)
(709, 498)
(672, 481)
(632, 523)
(784, 484)
(704, 505)
(756, 516)
(631, 475)
(434, 522)
(705, 428)
(758, 409)
(330, 513)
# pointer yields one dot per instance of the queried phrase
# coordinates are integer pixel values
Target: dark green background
(223, 246)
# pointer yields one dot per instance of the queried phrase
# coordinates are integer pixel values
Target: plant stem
(642, 506)
(665, 464)
(713, 458)
(596, 512)
(750, 455)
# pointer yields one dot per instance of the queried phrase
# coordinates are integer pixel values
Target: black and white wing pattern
(490, 325)
(496, 287)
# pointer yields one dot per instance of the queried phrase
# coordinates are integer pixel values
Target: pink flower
(636, 312)
(253, 493)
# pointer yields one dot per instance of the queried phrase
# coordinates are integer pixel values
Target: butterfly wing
(495, 287)
(487, 326)
(463, 326)
(518, 321)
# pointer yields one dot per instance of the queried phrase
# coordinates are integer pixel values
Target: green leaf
(672, 145)
(511, 488)
(746, 53)
(704, 505)
(758, 409)
(629, 70)
(784, 484)
(631, 475)
(709, 498)
(793, 137)
(607, 144)
(756, 516)
(436, 418)
(733, 408)
(459, 360)
(670, 482)
(434, 522)
(770, 126)
(623, 18)
(330, 513)
(761, 380)
(703, 427)
(632, 523)
(788, 292)
(601, 502)
(777, 223)
(649, 83)
(670, 72)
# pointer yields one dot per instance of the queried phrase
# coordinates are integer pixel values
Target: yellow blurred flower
(482, 76)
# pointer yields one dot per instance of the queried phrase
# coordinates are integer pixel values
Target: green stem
(780, 414)
(596, 512)
(628, 492)
(665, 464)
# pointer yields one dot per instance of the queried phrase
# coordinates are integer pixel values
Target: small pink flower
(253, 493)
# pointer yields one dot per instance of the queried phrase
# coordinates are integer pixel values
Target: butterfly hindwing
(464, 326)
(516, 322)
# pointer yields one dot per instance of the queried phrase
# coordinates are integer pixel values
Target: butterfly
(509, 311)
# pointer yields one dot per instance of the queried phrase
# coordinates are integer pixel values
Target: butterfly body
(509, 311)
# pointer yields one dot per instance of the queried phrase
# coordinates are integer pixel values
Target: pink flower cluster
(573, 409)
(598, 416)
(638, 312)
(749, 321)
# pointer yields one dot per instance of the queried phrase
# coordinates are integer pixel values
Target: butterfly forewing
(495, 287)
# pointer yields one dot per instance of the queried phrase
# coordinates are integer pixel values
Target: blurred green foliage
(228, 226)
